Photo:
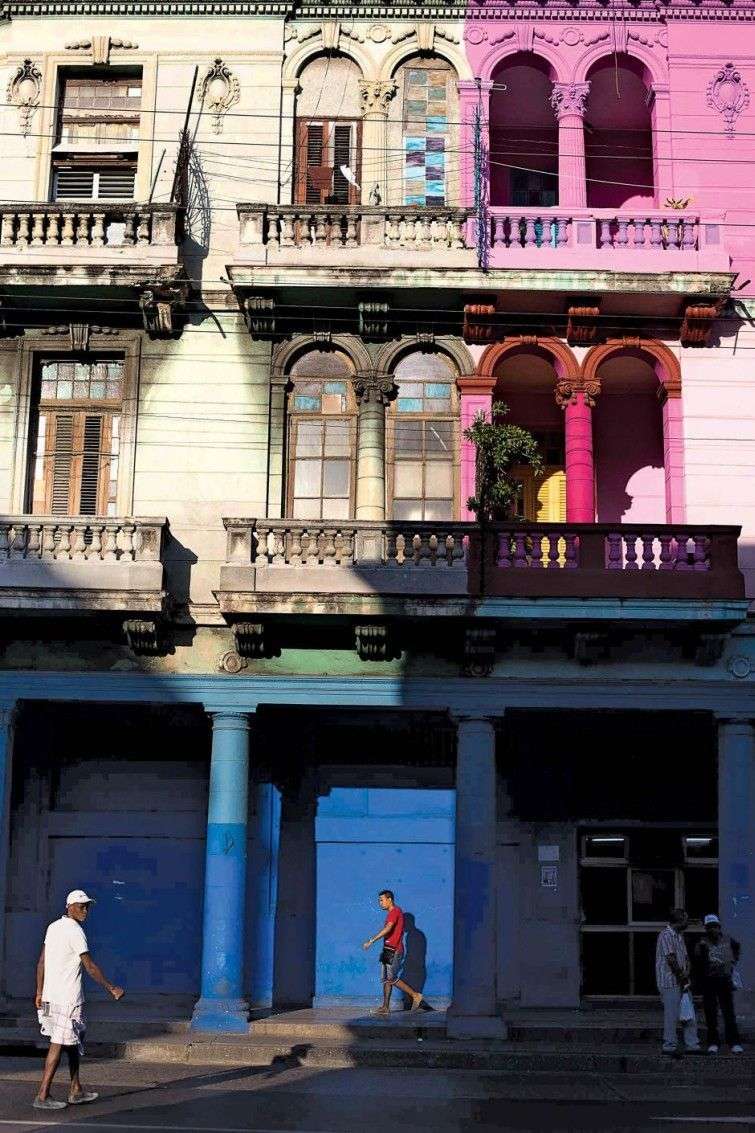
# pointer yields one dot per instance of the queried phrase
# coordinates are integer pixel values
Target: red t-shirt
(395, 921)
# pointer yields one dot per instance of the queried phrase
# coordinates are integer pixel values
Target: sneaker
(47, 1103)
(712, 1049)
(83, 1098)
(737, 1049)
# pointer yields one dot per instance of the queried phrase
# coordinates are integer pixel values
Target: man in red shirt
(392, 956)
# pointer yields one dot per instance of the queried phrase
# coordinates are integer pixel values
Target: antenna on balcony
(480, 185)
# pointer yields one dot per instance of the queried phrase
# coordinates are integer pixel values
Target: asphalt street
(285, 1098)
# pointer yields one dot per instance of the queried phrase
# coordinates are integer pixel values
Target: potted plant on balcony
(500, 449)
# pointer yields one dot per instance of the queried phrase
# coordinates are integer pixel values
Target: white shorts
(63, 1025)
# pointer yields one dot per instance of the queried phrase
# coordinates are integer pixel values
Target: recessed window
(321, 437)
(605, 847)
(76, 454)
(423, 439)
(328, 133)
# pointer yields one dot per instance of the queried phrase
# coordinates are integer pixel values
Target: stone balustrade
(93, 224)
(82, 563)
(557, 228)
(351, 226)
(521, 559)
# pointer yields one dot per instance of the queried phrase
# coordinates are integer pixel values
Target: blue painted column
(7, 720)
(736, 841)
(473, 1009)
(222, 1006)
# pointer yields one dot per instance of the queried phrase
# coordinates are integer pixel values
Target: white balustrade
(79, 538)
(90, 226)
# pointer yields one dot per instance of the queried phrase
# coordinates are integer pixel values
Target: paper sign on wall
(549, 877)
(548, 854)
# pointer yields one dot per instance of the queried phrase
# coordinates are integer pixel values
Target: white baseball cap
(78, 897)
(711, 918)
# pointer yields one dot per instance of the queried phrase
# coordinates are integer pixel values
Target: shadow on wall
(415, 964)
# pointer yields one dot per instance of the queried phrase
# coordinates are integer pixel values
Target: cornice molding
(652, 11)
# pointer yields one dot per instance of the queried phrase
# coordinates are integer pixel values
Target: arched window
(328, 132)
(422, 439)
(422, 132)
(321, 437)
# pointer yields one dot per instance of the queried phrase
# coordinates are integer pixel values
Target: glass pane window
(423, 438)
(77, 380)
(100, 111)
(320, 473)
(425, 134)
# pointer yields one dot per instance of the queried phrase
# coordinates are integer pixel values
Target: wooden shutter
(321, 148)
(113, 182)
(76, 464)
(342, 135)
(551, 496)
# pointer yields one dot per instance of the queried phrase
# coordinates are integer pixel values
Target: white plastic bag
(736, 980)
(686, 1008)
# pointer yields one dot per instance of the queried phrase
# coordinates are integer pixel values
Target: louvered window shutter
(113, 183)
(316, 172)
(551, 496)
(61, 464)
(74, 451)
(91, 471)
(341, 156)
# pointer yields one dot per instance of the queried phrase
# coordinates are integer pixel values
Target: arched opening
(523, 134)
(321, 436)
(525, 382)
(422, 441)
(328, 136)
(618, 136)
(422, 133)
(628, 443)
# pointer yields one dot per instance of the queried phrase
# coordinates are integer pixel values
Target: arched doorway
(618, 136)
(523, 134)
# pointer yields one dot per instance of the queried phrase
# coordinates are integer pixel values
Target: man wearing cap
(717, 955)
(60, 997)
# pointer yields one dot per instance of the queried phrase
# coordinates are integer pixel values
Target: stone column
(473, 1011)
(7, 722)
(375, 96)
(673, 457)
(736, 840)
(578, 403)
(476, 396)
(568, 100)
(473, 93)
(659, 99)
(222, 1006)
(373, 392)
(287, 156)
(295, 913)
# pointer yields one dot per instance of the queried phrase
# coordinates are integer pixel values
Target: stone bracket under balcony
(80, 565)
(547, 573)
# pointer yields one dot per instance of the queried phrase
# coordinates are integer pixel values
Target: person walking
(60, 998)
(717, 955)
(672, 975)
(392, 955)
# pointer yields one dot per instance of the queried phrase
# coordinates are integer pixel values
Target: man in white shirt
(60, 997)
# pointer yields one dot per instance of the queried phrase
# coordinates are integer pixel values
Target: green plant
(500, 448)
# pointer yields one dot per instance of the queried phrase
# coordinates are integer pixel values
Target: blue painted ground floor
(236, 857)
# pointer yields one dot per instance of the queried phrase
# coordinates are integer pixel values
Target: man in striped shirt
(673, 979)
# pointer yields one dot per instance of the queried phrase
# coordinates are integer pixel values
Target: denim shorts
(389, 973)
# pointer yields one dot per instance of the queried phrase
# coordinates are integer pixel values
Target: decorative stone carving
(697, 325)
(479, 323)
(740, 667)
(479, 651)
(253, 640)
(590, 647)
(24, 91)
(158, 306)
(79, 333)
(143, 636)
(571, 36)
(375, 643)
(259, 314)
(374, 321)
(100, 47)
(582, 326)
(301, 34)
(729, 94)
(376, 94)
(567, 389)
(569, 98)
(374, 388)
(220, 91)
(231, 662)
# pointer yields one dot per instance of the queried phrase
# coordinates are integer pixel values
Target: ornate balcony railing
(86, 225)
(650, 561)
(649, 239)
(81, 563)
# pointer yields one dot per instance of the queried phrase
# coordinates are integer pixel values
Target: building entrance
(629, 880)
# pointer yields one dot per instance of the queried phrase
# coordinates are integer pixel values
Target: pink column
(476, 397)
(663, 165)
(580, 472)
(673, 459)
(568, 100)
(471, 94)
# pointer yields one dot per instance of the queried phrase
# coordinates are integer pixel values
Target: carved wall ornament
(302, 33)
(231, 662)
(479, 651)
(374, 388)
(569, 98)
(220, 91)
(566, 391)
(253, 639)
(376, 643)
(100, 47)
(260, 316)
(158, 306)
(379, 33)
(24, 91)
(740, 666)
(143, 636)
(571, 37)
(374, 321)
(375, 95)
(729, 94)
